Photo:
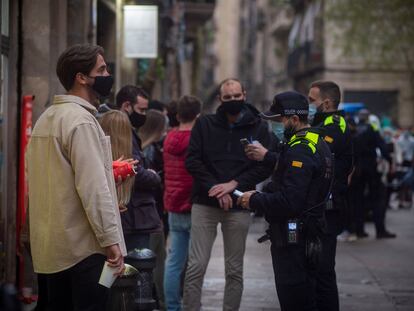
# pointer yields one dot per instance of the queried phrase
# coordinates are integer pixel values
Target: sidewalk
(373, 275)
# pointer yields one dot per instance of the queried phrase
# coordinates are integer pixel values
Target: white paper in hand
(107, 276)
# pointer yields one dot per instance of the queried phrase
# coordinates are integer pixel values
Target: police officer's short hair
(328, 89)
(303, 118)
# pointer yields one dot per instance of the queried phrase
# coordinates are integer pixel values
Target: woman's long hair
(153, 128)
(117, 126)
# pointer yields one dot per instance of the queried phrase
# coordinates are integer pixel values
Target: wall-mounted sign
(140, 31)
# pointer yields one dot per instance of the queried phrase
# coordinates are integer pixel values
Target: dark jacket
(337, 135)
(153, 160)
(178, 182)
(142, 215)
(367, 140)
(215, 154)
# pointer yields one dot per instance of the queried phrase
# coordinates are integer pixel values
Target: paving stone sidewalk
(373, 275)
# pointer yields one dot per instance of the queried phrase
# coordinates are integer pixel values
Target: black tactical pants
(295, 282)
(369, 177)
(326, 286)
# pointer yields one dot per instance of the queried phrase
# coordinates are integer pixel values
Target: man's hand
(244, 200)
(115, 258)
(226, 202)
(122, 208)
(221, 190)
(255, 151)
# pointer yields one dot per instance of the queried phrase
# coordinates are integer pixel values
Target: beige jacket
(72, 198)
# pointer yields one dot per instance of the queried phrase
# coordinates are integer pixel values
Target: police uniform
(367, 141)
(294, 210)
(338, 137)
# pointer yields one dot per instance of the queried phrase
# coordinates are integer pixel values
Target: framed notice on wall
(140, 31)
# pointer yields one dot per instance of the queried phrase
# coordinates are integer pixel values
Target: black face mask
(137, 119)
(233, 107)
(289, 131)
(103, 85)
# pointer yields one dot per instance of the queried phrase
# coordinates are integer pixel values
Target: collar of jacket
(64, 99)
(302, 132)
(250, 116)
(321, 116)
(136, 137)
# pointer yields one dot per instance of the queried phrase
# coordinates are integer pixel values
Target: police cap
(287, 104)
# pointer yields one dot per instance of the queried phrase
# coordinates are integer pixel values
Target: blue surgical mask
(278, 129)
(312, 112)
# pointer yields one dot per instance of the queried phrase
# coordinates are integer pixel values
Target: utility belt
(294, 231)
(301, 233)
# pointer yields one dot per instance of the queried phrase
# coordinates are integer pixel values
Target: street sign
(140, 31)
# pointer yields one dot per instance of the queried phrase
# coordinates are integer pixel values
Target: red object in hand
(122, 170)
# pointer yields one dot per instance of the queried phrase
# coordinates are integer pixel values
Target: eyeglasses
(229, 97)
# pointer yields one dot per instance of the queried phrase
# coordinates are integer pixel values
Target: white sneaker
(343, 237)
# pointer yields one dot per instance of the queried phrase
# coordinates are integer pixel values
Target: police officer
(324, 98)
(294, 210)
(367, 142)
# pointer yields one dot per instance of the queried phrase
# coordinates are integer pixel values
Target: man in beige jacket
(74, 218)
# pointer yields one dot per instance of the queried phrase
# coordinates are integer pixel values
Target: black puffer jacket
(215, 154)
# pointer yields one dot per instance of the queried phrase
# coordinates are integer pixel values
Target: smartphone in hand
(244, 142)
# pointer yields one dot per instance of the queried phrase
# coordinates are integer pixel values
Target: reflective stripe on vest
(312, 139)
(374, 127)
(342, 123)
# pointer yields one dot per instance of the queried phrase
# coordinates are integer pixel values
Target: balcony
(196, 14)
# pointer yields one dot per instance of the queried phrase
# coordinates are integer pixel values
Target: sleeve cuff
(253, 202)
(109, 238)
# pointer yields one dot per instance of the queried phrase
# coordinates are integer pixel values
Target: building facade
(34, 34)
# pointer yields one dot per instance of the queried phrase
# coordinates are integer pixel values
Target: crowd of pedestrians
(321, 168)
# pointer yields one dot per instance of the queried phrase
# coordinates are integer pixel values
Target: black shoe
(361, 235)
(386, 235)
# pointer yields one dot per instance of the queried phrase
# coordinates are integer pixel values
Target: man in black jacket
(218, 164)
(295, 205)
(141, 218)
(325, 97)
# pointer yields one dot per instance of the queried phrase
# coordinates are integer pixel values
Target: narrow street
(373, 275)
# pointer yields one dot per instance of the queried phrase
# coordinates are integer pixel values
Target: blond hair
(117, 126)
(153, 128)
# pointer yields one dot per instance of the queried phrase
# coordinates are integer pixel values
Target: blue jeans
(180, 226)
